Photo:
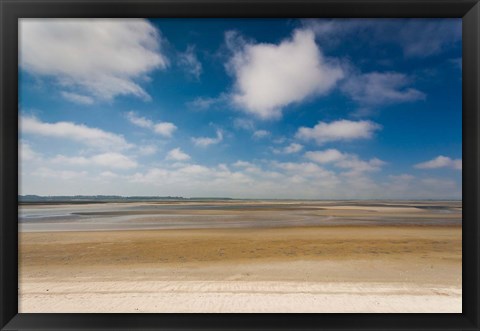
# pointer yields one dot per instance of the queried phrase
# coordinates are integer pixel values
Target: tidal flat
(241, 256)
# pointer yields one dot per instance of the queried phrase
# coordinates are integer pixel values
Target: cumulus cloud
(165, 129)
(244, 179)
(376, 88)
(326, 156)
(92, 137)
(207, 141)
(441, 162)
(139, 121)
(338, 130)
(348, 161)
(269, 77)
(110, 160)
(177, 154)
(103, 58)
(356, 166)
(189, 62)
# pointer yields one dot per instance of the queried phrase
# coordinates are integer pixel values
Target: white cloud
(255, 179)
(59, 174)
(441, 162)
(165, 129)
(177, 155)
(108, 174)
(356, 166)
(290, 149)
(189, 62)
(92, 137)
(377, 88)
(249, 125)
(247, 166)
(402, 177)
(260, 134)
(293, 148)
(243, 164)
(26, 153)
(269, 77)
(193, 170)
(109, 160)
(78, 98)
(103, 58)
(207, 141)
(114, 160)
(326, 156)
(139, 121)
(338, 130)
(307, 174)
(351, 162)
(147, 150)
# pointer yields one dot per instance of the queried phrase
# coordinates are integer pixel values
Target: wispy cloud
(77, 98)
(207, 103)
(376, 88)
(416, 37)
(165, 129)
(258, 134)
(189, 62)
(80, 133)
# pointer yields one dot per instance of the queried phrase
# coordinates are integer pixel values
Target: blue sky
(244, 108)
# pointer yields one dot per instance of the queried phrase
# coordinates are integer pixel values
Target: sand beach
(241, 256)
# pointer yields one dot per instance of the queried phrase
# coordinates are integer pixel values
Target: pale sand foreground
(304, 269)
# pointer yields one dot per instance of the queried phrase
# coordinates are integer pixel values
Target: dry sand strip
(324, 269)
(237, 297)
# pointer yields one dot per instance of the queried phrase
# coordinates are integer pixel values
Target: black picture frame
(12, 10)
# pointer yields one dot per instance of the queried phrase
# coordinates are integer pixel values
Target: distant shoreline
(34, 199)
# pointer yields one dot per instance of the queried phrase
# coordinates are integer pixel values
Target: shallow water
(130, 216)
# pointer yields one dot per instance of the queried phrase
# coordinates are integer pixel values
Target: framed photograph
(240, 165)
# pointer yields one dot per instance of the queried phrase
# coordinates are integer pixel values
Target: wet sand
(354, 266)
